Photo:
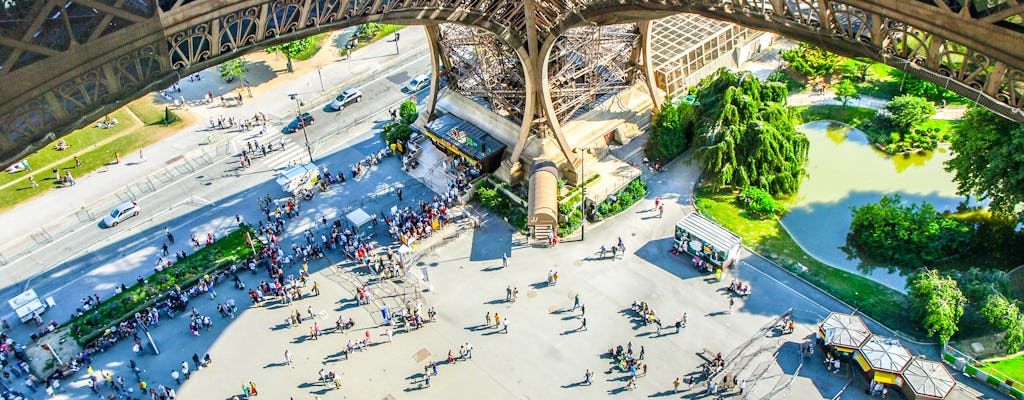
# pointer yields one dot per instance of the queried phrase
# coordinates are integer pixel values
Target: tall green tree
(407, 112)
(1005, 315)
(845, 90)
(231, 69)
(906, 112)
(293, 49)
(745, 135)
(908, 236)
(671, 132)
(988, 159)
(938, 301)
(811, 61)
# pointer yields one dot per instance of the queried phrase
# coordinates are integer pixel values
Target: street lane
(95, 260)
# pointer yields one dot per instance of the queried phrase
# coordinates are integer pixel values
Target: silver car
(418, 83)
(120, 213)
(349, 96)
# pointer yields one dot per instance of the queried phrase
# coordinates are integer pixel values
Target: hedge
(222, 253)
(629, 195)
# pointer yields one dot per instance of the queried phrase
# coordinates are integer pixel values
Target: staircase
(540, 233)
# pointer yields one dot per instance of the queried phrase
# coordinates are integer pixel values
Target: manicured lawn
(95, 148)
(387, 30)
(148, 110)
(853, 116)
(768, 238)
(1011, 367)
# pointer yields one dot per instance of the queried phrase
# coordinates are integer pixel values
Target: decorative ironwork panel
(484, 69)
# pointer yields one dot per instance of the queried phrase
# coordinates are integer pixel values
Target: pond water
(844, 170)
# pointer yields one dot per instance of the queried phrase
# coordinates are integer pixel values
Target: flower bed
(221, 254)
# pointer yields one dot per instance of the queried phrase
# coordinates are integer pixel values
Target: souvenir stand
(926, 380)
(881, 359)
(843, 333)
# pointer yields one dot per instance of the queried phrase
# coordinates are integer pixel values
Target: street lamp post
(321, 80)
(583, 180)
(397, 51)
(298, 114)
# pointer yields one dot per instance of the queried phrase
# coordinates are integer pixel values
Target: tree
(845, 90)
(745, 135)
(938, 302)
(407, 112)
(906, 112)
(987, 160)
(1005, 315)
(811, 61)
(231, 69)
(395, 132)
(671, 132)
(908, 236)
(294, 49)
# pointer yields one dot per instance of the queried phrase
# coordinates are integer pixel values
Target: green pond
(844, 170)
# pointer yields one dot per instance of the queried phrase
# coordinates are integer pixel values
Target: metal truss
(483, 68)
(64, 63)
(589, 62)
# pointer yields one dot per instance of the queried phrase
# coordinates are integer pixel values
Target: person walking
(588, 377)
(583, 310)
(505, 326)
(575, 302)
(497, 320)
(487, 319)
(288, 357)
(78, 163)
(32, 182)
(399, 193)
(731, 303)
(675, 385)
(583, 326)
(504, 260)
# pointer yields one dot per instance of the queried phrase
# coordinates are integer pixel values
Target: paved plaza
(543, 354)
(545, 351)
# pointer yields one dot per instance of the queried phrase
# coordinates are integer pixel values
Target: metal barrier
(186, 165)
(961, 362)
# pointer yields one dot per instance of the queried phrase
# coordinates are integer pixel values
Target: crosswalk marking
(277, 158)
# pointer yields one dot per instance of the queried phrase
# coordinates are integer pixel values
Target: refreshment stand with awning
(926, 380)
(705, 239)
(298, 177)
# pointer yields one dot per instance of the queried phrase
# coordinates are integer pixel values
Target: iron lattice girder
(588, 62)
(131, 47)
(484, 67)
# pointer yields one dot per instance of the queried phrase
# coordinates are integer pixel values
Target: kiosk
(702, 238)
(843, 333)
(298, 177)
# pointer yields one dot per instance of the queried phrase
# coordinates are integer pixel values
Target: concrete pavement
(545, 351)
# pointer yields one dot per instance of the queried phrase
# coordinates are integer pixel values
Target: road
(95, 260)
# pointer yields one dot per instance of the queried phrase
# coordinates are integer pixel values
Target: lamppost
(583, 180)
(397, 51)
(298, 115)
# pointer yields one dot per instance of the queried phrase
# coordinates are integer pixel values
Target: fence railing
(982, 372)
(186, 165)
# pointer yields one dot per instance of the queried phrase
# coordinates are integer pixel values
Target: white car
(122, 212)
(418, 83)
(349, 96)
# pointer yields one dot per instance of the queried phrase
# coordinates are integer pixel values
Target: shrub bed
(629, 195)
(496, 200)
(221, 254)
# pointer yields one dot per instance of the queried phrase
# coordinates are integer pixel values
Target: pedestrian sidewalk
(270, 97)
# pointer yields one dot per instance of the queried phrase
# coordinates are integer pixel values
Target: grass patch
(318, 43)
(853, 116)
(207, 260)
(95, 148)
(388, 29)
(149, 111)
(768, 238)
(1012, 368)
